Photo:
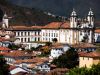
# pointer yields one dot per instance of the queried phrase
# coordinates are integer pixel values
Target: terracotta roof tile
(4, 48)
(34, 60)
(58, 71)
(24, 61)
(32, 66)
(25, 27)
(3, 53)
(2, 39)
(56, 25)
(18, 54)
(91, 54)
(97, 31)
(83, 45)
(11, 67)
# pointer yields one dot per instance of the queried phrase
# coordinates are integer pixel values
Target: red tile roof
(3, 53)
(83, 45)
(52, 25)
(11, 67)
(22, 27)
(18, 54)
(4, 48)
(2, 39)
(34, 60)
(57, 25)
(97, 31)
(91, 54)
(58, 71)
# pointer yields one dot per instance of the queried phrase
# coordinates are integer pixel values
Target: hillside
(62, 7)
(25, 16)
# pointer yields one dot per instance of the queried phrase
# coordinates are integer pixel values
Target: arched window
(75, 19)
(21, 39)
(28, 39)
(25, 40)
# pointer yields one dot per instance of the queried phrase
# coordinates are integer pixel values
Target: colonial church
(74, 31)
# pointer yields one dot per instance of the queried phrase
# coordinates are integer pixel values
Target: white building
(97, 35)
(58, 50)
(45, 67)
(18, 70)
(73, 31)
(26, 35)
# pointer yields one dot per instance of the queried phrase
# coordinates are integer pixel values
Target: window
(45, 66)
(43, 39)
(21, 39)
(83, 58)
(43, 34)
(38, 39)
(80, 33)
(35, 33)
(35, 39)
(25, 33)
(49, 34)
(88, 32)
(46, 39)
(46, 34)
(28, 39)
(52, 35)
(56, 35)
(18, 33)
(21, 33)
(38, 33)
(28, 33)
(25, 40)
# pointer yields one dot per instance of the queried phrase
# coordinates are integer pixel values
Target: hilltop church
(74, 31)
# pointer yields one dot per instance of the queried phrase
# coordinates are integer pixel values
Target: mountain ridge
(62, 7)
(24, 15)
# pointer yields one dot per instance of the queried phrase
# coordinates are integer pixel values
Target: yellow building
(88, 59)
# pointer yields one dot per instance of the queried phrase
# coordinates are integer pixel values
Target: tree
(13, 46)
(54, 40)
(94, 70)
(67, 60)
(33, 48)
(3, 66)
(48, 44)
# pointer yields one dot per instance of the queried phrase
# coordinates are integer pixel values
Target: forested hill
(25, 16)
(63, 7)
(35, 12)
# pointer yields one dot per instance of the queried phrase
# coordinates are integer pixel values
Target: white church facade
(73, 31)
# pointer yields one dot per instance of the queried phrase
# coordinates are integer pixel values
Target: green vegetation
(54, 40)
(13, 47)
(94, 70)
(3, 66)
(67, 60)
(48, 43)
(43, 55)
(98, 47)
